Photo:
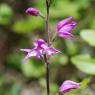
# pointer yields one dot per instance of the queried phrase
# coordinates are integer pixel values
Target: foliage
(88, 36)
(84, 63)
(5, 14)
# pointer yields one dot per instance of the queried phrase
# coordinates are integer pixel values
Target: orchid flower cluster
(44, 50)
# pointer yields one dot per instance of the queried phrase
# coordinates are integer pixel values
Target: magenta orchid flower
(40, 48)
(64, 26)
(68, 85)
(33, 11)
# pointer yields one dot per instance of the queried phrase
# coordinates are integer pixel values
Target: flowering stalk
(47, 78)
(48, 42)
(47, 22)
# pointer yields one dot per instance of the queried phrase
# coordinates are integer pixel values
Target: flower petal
(39, 42)
(30, 54)
(68, 27)
(26, 50)
(66, 34)
(63, 22)
(52, 50)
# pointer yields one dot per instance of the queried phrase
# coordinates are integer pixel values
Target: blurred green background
(19, 30)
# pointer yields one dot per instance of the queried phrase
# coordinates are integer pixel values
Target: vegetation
(18, 30)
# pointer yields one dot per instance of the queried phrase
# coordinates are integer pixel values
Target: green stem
(47, 23)
(48, 42)
(47, 78)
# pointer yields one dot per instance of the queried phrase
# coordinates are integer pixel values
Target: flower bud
(68, 85)
(64, 27)
(32, 11)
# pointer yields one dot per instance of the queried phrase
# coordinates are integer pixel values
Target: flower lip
(32, 11)
(68, 85)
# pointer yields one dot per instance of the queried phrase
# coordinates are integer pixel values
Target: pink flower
(68, 85)
(33, 11)
(64, 26)
(40, 48)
